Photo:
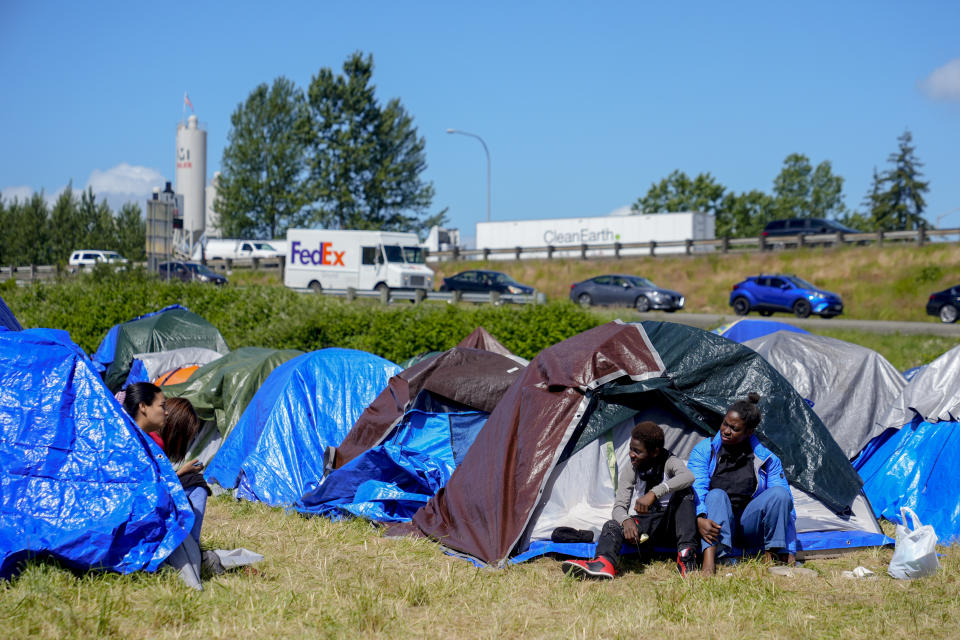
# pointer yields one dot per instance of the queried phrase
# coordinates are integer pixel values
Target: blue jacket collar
(759, 451)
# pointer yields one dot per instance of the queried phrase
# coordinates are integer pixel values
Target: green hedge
(271, 316)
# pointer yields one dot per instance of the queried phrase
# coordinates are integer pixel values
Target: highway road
(711, 320)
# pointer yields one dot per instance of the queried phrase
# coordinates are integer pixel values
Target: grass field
(328, 579)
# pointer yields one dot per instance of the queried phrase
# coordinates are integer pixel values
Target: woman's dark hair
(138, 392)
(180, 428)
(650, 434)
(748, 410)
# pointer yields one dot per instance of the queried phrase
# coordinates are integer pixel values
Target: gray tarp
(156, 364)
(934, 393)
(850, 386)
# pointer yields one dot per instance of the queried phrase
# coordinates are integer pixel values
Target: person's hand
(190, 467)
(709, 530)
(644, 502)
(630, 532)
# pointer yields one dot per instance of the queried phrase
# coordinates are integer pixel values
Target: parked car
(632, 291)
(770, 293)
(483, 280)
(945, 304)
(190, 272)
(82, 258)
(804, 227)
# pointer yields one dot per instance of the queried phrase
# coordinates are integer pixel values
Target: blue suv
(767, 294)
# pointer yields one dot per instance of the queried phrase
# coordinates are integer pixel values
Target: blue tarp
(389, 482)
(917, 467)
(108, 346)
(743, 330)
(275, 452)
(7, 319)
(79, 481)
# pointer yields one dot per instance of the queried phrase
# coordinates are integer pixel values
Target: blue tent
(275, 452)
(80, 481)
(917, 466)
(743, 330)
(390, 481)
(7, 319)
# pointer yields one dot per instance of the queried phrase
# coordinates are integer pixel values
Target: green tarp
(172, 329)
(222, 389)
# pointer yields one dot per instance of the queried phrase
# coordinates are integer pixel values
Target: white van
(223, 248)
(320, 259)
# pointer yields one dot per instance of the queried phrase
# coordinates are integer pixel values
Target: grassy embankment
(888, 283)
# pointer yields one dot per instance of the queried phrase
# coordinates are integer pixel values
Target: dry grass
(343, 580)
(889, 283)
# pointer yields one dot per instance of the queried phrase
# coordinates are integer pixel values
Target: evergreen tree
(896, 198)
(131, 232)
(64, 226)
(261, 190)
(365, 160)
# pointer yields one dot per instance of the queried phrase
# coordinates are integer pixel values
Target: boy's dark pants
(674, 526)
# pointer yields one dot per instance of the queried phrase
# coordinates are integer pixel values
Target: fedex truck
(320, 259)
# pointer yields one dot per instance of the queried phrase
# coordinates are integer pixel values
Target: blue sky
(582, 106)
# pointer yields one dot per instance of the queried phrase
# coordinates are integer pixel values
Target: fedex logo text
(325, 255)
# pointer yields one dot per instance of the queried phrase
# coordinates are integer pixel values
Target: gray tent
(934, 393)
(850, 386)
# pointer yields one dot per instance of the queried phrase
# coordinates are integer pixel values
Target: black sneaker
(686, 561)
(600, 568)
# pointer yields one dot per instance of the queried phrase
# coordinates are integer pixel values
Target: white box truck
(223, 248)
(321, 259)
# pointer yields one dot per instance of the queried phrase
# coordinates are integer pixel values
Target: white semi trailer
(568, 235)
(320, 259)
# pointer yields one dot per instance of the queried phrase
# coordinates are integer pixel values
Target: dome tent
(850, 386)
(81, 482)
(403, 450)
(221, 390)
(576, 394)
(275, 453)
(170, 328)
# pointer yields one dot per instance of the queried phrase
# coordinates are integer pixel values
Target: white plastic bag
(915, 555)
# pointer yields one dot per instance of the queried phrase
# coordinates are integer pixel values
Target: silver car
(619, 289)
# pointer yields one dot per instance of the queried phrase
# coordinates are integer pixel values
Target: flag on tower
(186, 101)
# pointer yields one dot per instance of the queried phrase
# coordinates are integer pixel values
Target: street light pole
(487, 151)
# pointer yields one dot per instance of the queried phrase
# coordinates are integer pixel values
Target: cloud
(22, 193)
(944, 82)
(125, 179)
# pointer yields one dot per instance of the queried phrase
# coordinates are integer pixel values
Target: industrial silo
(191, 177)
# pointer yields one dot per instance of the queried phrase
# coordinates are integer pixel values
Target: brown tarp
(485, 506)
(473, 378)
(481, 339)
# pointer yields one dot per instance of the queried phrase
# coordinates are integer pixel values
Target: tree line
(37, 233)
(895, 200)
(331, 156)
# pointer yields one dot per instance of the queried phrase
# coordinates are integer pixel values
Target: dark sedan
(945, 304)
(632, 291)
(189, 272)
(482, 280)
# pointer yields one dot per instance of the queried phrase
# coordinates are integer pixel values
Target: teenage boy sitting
(665, 510)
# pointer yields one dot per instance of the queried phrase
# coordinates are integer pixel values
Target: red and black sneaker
(686, 561)
(599, 568)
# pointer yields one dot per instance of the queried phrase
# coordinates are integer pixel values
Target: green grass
(345, 580)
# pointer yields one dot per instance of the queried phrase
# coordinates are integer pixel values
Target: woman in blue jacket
(742, 495)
